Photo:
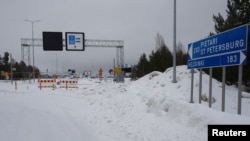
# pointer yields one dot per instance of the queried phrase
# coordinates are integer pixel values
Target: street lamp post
(32, 23)
(174, 44)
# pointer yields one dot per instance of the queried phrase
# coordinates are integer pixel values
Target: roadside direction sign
(225, 49)
(230, 59)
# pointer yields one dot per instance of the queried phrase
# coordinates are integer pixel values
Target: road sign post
(228, 48)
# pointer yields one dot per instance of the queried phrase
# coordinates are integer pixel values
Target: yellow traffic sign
(117, 70)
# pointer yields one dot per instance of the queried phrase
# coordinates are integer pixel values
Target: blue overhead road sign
(72, 39)
(219, 50)
(75, 41)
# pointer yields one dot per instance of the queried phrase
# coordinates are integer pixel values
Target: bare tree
(159, 41)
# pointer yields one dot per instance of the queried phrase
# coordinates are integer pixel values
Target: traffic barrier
(69, 83)
(47, 83)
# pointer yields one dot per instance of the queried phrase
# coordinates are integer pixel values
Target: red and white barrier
(47, 83)
(68, 83)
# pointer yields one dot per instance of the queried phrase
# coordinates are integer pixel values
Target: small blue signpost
(225, 49)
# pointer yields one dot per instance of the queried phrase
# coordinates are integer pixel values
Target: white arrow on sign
(242, 57)
(190, 51)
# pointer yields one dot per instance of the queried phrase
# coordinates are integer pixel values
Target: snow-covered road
(40, 117)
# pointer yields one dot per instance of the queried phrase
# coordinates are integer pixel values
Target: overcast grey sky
(135, 21)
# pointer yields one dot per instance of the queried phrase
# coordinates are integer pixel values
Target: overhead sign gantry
(26, 43)
(75, 41)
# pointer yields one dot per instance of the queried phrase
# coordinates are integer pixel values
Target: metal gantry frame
(25, 54)
(26, 43)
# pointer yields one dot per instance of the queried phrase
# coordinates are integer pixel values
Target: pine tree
(142, 67)
(181, 55)
(161, 59)
(238, 13)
